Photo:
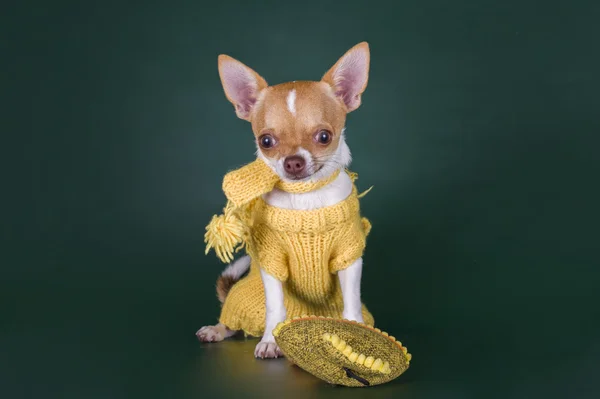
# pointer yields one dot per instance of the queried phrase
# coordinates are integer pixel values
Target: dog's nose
(294, 164)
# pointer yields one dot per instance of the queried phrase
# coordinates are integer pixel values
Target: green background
(479, 131)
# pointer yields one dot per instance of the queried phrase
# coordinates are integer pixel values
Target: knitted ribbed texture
(342, 352)
(229, 232)
(243, 185)
(306, 186)
(303, 249)
(249, 182)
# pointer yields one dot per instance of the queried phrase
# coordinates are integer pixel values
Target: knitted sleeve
(271, 253)
(349, 245)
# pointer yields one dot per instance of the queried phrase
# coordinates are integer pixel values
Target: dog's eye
(266, 141)
(323, 137)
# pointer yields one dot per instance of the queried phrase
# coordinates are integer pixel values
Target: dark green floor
(479, 130)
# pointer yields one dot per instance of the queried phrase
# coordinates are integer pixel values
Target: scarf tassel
(226, 233)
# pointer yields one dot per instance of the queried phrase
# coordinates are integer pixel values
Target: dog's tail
(230, 276)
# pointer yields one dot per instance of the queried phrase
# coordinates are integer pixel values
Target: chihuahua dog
(300, 133)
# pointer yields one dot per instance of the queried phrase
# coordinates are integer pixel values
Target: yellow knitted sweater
(304, 250)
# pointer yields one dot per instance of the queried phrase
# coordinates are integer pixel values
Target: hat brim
(342, 352)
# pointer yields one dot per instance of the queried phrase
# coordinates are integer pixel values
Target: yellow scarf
(227, 233)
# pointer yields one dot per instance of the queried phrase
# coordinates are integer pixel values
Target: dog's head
(299, 126)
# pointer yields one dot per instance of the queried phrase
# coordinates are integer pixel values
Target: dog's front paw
(210, 334)
(353, 316)
(267, 350)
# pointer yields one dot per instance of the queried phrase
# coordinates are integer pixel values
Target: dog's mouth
(305, 175)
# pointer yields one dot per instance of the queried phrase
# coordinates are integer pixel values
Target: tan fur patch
(224, 284)
(316, 108)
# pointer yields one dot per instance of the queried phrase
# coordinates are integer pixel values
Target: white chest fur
(336, 191)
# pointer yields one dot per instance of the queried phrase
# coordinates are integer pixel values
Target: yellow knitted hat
(342, 352)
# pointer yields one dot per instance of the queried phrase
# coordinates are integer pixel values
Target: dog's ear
(241, 84)
(349, 76)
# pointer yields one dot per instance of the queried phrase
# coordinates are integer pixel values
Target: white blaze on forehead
(291, 101)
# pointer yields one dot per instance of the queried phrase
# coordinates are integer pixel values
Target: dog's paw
(267, 350)
(210, 334)
(353, 316)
